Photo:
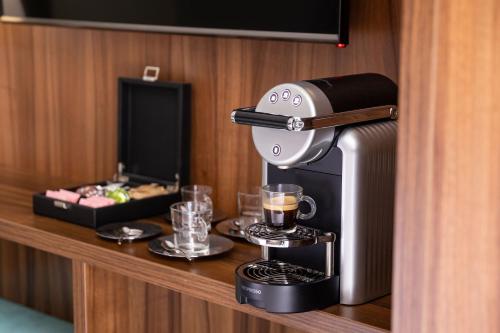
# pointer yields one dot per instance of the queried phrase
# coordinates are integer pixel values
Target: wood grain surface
(80, 278)
(37, 279)
(115, 303)
(28, 276)
(447, 250)
(58, 114)
(58, 103)
(210, 280)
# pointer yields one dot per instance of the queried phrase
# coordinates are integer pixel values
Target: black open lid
(153, 130)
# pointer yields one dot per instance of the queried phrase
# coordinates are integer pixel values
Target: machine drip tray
(281, 273)
(282, 287)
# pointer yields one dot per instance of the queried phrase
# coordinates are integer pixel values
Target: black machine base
(281, 287)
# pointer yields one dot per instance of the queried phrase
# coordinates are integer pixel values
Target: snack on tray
(63, 195)
(119, 195)
(110, 187)
(146, 191)
(90, 191)
(96, 202)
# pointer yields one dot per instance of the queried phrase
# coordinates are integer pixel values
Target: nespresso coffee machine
(335, 137)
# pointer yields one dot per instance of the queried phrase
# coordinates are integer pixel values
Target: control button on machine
(286, 94)
(276, 150)
(273, 98)
(297, 100)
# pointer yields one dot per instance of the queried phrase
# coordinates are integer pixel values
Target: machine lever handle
(248, 116)
(350, 117)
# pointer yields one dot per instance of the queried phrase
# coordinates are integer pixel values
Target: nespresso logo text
(252, 290)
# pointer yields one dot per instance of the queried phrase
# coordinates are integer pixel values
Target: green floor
(15, 318)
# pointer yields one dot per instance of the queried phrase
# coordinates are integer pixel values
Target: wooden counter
(211, 280)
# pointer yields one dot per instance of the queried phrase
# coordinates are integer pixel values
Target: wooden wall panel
(115, 303)
(17, 123)
(447, 255)
(58, 93)
(36, 279)
(58, 90)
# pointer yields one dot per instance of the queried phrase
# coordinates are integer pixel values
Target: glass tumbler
(249, 207)
(191, 224)
(198, 193)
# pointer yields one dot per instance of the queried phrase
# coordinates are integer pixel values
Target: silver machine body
(368, 182)
(280, 147)
(336, 138)
(366, 210)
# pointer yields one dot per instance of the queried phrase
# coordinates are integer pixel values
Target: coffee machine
(336, 138)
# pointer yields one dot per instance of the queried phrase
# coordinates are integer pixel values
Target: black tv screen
(321, 20)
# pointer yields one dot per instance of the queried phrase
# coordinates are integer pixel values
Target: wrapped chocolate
(91, 191)
(110, 186)
(119, 195)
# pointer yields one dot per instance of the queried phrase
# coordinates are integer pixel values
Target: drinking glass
(249, 207)
(198, 193)
(280, 203)
(191, 224)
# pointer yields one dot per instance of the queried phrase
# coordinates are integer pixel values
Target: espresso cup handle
(311, 203)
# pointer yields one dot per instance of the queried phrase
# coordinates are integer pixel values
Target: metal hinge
(151, 73)
(119, 176)
(176, 186)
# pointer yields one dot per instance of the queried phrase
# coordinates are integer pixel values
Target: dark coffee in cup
(280, 213)
(280, 203)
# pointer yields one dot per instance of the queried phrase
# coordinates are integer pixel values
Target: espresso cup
(280, 205)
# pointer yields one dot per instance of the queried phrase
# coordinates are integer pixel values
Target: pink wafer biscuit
(54, 194)
(63, 195)
(70, 196)
(96, 202)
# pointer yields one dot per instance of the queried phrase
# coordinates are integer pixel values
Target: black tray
(153, 147)
(96, 217)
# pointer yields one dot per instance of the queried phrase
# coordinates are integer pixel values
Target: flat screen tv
(318, 20)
